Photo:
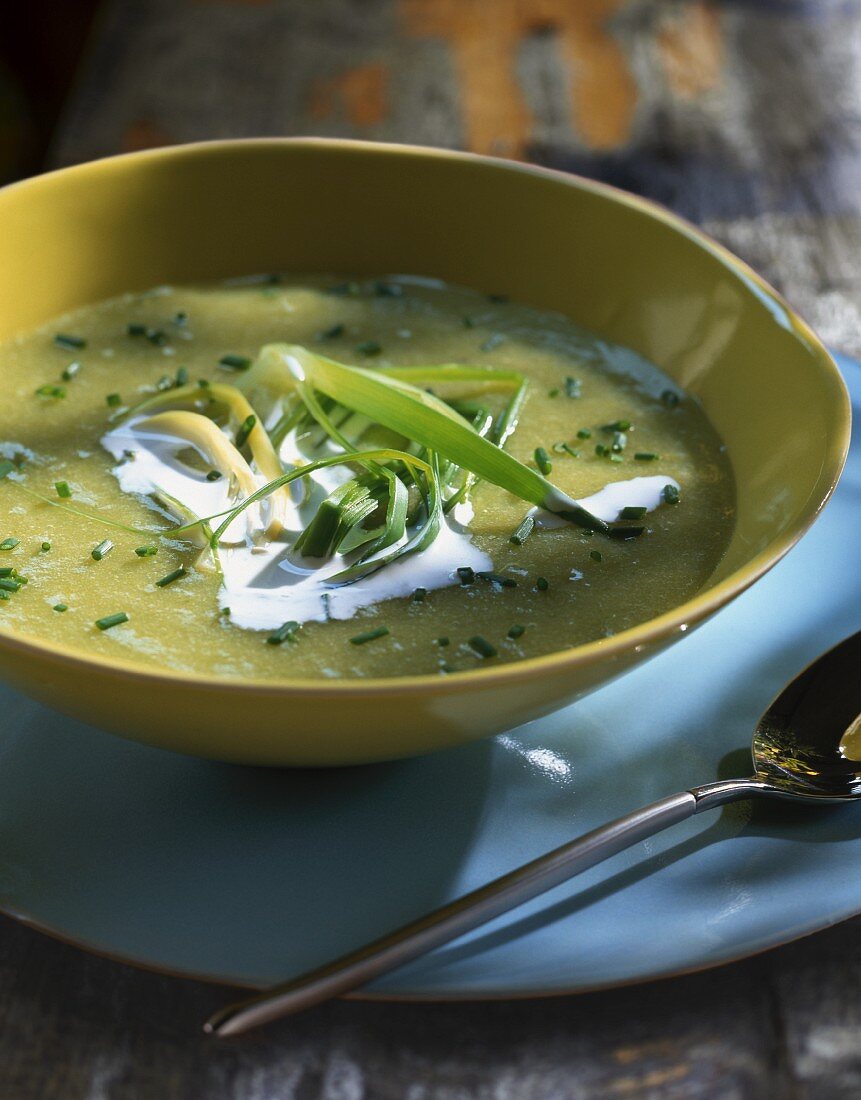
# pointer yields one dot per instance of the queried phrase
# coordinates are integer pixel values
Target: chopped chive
(146, 551)
(45, 547)
(615, 457)
(516, 631)
(419, 595)
(625, 533)
(572, 387)
(522, 531)
(102, 550)
(542, 460)
(9, 584)
(245, 431)
(114, 400)
(7, 571)
(61, 607)
(542, 584)
(49, 390)
(493, 341)
(9, 543)
(155, 336)
(332, 333)
(6, 467)
(204, 383)
(134, 328)
(235, 362)
(466, 574)
(633, 512)
(670, 494)
(618, 426)
(497, 578)
(481, 646)
(63, 340)
(596, 555)
(670, 398)
(284, 633)
(554, 392)
(369, 347)
(164, 383)
(112, 620)
(171, 577)
(180, 318)
(214, 475)
(71, 370)
(443, 641)
(584, 433)
(182, 376)
(620, 442)
(602, 450)
(646, 456)
(369, 635)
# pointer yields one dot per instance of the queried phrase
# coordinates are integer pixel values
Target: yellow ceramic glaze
(620, 266)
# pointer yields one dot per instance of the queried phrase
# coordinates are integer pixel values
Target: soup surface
(81, 456)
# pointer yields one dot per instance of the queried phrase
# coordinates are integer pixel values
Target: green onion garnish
(214, 475)
(670, 494)
(146, 551)
(155, 336)
(622, 534)
(522, 531)
(182, 376)
(164, 383)
(572, 387)
(369, 635)
(584, 433)
(620, 442)
(285, 633)
(497, 578)
(63, 489)
(9, 543)
(45, 547)
(419, 595)
(466, 574)
(633, 512)
(443, 641)
(49, 390)
(565, 449)
(6, 467)
(646, 456)
(542, 460)
(554, 392)
(112, 620)
(7, 571)
(618, 426)
(615, 457)
(516, 631)
(180, 318)
(596, 555)
(71, 370)
(369, 347)
(63, 340)
(171, 577)
(61, 607)
(134, 328)
(602, 450)
(542, 584)
(102, 550)
(332, 333)
(481, 646)
(235, 362)
(9, 584)
(245, 431)
(114, 400)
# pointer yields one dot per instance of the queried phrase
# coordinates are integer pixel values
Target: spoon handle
(363, 965)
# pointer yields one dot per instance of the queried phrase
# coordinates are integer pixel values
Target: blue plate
(249, 876)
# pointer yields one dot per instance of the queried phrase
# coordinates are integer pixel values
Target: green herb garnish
(542, 461)
(102, 550)
(146, 551)
(369, 635)
(112, 620)
(497, 578)
(214, 475)
(45, 547)
(481, 646)
(522, 531)
(49, 390)
(182, 376)
(596, 555)
(70, 343)
(9, 584)
(564, 449)
(633, 511)
(646, 456)
(584, 433)
(670, 494)
(171, 577)
(466, 574)
(542, 584)
(71, 370)
(245, 431)
(113, 400)
(61, 607)
(63, 489)
(9, 543)
(285, 633)
(443, 641)
(369, 347)
(419, 595)
(516, 631)
(235, 362)
(572, 387)
(332, 333)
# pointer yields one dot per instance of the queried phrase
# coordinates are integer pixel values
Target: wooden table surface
(743, 116)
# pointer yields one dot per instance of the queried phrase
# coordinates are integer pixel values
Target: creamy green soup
(125, 422)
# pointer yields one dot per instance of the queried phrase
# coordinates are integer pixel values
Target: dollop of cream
(608, 503)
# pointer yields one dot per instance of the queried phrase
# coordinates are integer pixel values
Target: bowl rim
(652, 632)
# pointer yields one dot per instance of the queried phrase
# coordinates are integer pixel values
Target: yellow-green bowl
(622, 267)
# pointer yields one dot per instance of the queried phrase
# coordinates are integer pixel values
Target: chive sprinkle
(369, 635)
(481, 646)
(63, 489)
(235, 362)
(180, 318)
(522, 531)
(554, 392)
(466, 574)
(615, 457)
(332, 333)
(113, 400)
(49, 390)
(584, 433)
(63, 340)
(45, 547)
(572, 387)
(9, 584)
(620, 442)
(542, 584)
(112, 620)
(9, 543)
(443, 641)
(71, 370)
(419, 595)
(646, 456)
(624, 533)
(182, 376)
(596, 555)
(516, 631)
(633, 512)
(498, 579)
(146, 551)
(245, 431)
(284, 633)
(618, 426)
(565, 449)
(6, 467)
(542, 460)
(134, 328)
(102, 550)
(61, 607)
(7, 570)
(670, 494)
(171, 577)
(369, 347)
(214, 475)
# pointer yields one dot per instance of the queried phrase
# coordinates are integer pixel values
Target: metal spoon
(802, 750)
